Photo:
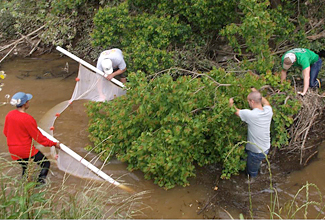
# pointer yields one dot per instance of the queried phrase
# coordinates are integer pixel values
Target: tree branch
(21, 39)
(317, 36)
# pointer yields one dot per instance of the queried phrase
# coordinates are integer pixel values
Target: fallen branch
(195, 74)
(310, 157)
(322, 95)
(35, 47)
(287, 98)
(312, 108)
(12, 44)
(306, 134)
(24, 37)
(206, 204)
(21, 39)
(235, 58)
(218, 84)
(316, 25)
(317, 36)
(231, 53)
(8, 53)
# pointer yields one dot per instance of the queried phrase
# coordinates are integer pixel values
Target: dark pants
(254, 161)
(41, 160)
(314, 70)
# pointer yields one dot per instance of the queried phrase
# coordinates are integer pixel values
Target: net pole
(81, 159)
(74, 57)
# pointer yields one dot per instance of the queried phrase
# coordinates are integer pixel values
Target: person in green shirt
(310, 63)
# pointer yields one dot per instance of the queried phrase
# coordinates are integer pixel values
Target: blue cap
(20, 98)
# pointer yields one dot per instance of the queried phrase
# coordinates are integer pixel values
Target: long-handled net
(89, 86)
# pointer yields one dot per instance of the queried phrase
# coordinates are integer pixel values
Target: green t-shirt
(304, 57)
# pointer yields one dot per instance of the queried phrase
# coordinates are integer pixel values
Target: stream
(50, 78)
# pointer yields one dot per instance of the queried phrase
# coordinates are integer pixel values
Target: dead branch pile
(32, 39)
(309, 115)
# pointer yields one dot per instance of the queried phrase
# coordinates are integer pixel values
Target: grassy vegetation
(21, 198)
(307, 203)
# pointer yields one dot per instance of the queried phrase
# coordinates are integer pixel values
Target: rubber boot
(42, 176)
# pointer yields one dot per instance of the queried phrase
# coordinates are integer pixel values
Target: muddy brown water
(46, 78)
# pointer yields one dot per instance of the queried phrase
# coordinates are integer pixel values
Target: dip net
(89, 86)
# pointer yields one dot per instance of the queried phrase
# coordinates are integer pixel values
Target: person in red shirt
(21, 130)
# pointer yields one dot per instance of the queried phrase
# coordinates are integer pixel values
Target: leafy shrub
(168, 124)
(145, 39)
(66, 22)
(256, 18)
(6, 24)
(206, 17)
(16, 14)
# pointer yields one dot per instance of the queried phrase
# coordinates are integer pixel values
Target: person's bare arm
(231, 104)
(58, 145)
(283, 75)
(265, 102)
(306, 74)
(117, 72)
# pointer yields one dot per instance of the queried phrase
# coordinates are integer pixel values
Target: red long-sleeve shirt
(20, 128)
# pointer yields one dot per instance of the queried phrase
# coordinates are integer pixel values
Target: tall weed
(22, 198)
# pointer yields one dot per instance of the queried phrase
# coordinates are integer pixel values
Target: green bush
(145, 39)
(206, 17)
(66, 22)
(166, 125)
(256, 18)
(16, 14)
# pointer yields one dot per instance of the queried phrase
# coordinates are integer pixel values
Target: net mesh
(89, 86)
(94, 87)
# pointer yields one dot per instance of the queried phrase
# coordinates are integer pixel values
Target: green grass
(20, 198)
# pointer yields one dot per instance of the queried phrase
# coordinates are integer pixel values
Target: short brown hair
(255, 96)
(287, 61)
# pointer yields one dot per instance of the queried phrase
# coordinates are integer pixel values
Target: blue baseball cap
(20, 98)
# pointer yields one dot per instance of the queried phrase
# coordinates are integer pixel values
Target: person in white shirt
(259, 121)
(112, 63)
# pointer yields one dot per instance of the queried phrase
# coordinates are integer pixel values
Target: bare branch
(317, 36)
(310, 157)
(316, 25)
(195, 75)
(312, 108)
(21, 39)
(35, 47)
(8, 53)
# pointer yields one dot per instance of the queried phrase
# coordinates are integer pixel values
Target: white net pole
(81, 159)
(74, 57)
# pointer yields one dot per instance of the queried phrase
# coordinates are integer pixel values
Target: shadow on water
(51, 80)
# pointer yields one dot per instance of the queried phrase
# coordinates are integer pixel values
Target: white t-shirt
(115, 55)
(259, 122)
